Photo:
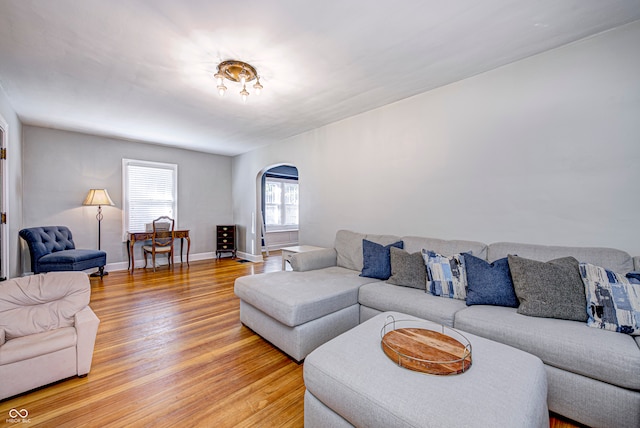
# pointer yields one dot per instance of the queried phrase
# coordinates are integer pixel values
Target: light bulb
(221, 90)
(219, 78)
(258, 87)
(244, 94)
(243, 77)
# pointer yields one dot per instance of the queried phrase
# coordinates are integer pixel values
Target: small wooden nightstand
(287, 252)
(226, 240)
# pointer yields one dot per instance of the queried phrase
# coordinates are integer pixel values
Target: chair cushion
(24, 348)
(38, 303)
(149, 249)
(71, 260)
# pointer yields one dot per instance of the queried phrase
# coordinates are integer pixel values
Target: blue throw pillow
(634, 277)
(489, 283)
(377, 259)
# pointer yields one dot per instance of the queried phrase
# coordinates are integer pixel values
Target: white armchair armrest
(312, 260)
(86, 323)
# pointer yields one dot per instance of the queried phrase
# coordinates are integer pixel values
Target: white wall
(14, 184)
(544, 150)
(60, 167)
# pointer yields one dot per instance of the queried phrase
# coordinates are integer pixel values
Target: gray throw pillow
(551, 289)
(407, 269)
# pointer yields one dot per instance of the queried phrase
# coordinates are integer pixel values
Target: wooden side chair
(161, 240)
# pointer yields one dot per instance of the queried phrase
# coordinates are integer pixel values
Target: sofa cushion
(294, 298)
(38, 303)
(552, 290)
(377, 259)
(445, 247)
(407, 269)
(613, 303)
(616, 260)
(386, 297)
(568, 345)
(446, 275)
(348, 246)
(489, 283)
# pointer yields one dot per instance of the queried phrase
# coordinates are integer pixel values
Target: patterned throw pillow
(613, 303)
(446, 275)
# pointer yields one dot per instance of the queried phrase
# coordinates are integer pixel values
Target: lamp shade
(98, 197)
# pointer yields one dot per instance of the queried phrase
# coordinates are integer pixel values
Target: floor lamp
(98, 197)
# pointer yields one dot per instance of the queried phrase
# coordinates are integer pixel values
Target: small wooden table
(133, 237)
(287, 252)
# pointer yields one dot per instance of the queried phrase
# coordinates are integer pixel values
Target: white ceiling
(142, 69)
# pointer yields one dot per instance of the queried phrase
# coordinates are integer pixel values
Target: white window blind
(150, 191)
(281, 204)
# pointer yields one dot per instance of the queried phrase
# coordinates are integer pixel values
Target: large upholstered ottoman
(299, 311)
(350, 381)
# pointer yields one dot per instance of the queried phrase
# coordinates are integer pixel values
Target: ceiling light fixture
(240, 72)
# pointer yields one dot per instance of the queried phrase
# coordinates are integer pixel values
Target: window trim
(125, 197)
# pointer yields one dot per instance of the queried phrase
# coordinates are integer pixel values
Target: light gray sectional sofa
(593, 375)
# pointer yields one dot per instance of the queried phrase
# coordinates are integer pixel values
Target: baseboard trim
(251, 257)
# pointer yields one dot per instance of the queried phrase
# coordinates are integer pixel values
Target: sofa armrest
(312, 260)
(86, 323)
(636, 263)
(2, 336)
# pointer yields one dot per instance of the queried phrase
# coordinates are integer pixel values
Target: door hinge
(3, 154)
(3, 218)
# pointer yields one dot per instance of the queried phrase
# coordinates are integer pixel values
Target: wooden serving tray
(426, 351)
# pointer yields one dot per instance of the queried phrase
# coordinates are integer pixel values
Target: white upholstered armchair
(47, 330)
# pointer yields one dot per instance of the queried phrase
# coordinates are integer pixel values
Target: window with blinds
(150, 190)
(280, 204)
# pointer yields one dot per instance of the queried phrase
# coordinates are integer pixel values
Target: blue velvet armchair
(52, 249)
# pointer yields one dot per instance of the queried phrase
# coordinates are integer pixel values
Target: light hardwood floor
(171, 352)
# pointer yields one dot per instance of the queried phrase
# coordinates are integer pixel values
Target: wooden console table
(134, 237)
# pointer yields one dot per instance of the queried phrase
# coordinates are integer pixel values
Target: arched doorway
(278, 202)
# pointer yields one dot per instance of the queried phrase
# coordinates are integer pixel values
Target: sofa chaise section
(298, 311)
